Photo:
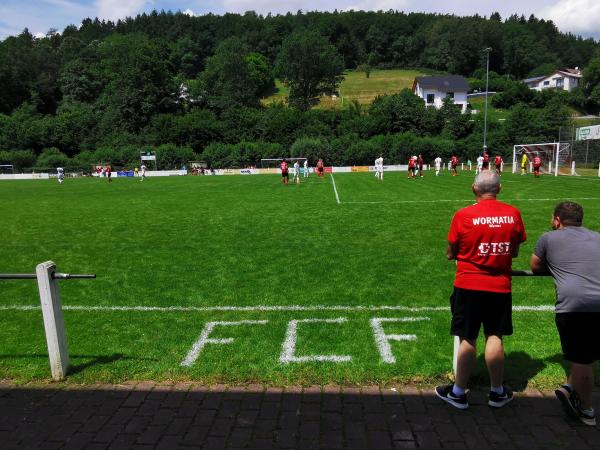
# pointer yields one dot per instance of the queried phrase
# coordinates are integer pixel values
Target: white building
(434, 89)
(565, 79)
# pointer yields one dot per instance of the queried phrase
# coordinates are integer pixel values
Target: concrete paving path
(149, 415)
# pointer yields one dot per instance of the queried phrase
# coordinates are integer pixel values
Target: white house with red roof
(563, 79)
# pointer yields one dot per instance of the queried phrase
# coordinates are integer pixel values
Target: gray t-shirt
(573, 257)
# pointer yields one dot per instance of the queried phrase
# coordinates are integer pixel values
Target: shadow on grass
(93, 360)
(519, 369)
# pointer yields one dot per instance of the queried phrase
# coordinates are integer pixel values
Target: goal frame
(557, 149)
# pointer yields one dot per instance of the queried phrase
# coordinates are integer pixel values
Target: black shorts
(470, 309)
(579, 336)
(486, 165)
(285, 174)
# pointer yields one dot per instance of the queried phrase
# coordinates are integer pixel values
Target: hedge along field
(287, 272)
(356, 86)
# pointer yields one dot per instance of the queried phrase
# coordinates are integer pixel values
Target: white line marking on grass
(257, 308)
(382, 340)
(337, 197)
(471, 200)
(288, 349)
(204, 339)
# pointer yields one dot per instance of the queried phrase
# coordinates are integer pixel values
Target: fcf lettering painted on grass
(288, 349)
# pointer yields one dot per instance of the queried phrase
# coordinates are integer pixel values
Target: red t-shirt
(486, 234)
(284, 167)
(486, 158)
(537, 161)
(498, 160)
(412, 163)
(320, 164)
(454, 160)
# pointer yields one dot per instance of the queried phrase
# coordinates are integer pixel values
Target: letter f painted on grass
(204, 339)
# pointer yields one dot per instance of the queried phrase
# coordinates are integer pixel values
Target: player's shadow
(90, 360)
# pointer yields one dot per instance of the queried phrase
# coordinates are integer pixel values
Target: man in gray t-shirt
(571, 253)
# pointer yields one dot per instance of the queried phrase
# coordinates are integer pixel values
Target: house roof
(443, 83)
(531, 80)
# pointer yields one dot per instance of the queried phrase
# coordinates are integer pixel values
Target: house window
(546, 83)
(450, 95)
(560, 82)
(430, 99)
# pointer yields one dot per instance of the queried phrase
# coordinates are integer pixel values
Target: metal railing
(54, 325)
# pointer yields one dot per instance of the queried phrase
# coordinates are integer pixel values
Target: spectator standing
(483, 239)
(571, 253)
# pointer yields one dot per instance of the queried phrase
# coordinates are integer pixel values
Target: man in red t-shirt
(109, 173)
(453, 164)
(537, 163)
(483, 239)
(420, 161)
(285, 177)
(498, 163)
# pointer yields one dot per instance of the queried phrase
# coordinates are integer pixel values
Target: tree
(310, 66)
(235, 77)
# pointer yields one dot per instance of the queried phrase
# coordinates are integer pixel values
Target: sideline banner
(341, 169)
(24, 176)
(360, 168)
(248, 172)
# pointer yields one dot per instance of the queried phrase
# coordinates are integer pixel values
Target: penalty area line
(263, 308)
(337, 197)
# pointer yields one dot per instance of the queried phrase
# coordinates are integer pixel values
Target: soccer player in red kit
(412, 167)
(285, 177)
(498, 163)
(486, 159)
(420, 161)
(320, 167)
(483, 239)
(537, 163)
(109, 173)
(453, 164)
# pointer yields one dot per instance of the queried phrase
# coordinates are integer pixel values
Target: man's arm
(514, 252)
(452, 250)
(537, 264)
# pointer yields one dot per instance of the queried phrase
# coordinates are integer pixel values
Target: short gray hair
(487, 182)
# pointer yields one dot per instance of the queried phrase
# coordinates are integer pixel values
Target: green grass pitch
(203, 244)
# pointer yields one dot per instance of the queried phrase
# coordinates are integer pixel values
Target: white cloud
(576, 16)
(189, 12)
(39, 35)
(378, 5)
(119, 9)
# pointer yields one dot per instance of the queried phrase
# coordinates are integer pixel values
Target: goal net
(555, 156)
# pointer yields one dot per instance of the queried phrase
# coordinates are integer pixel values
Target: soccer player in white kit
(479, 164)
(306, 168)
(296, 173)
(60, 175)
(438, 165)
(379, 168)
(143, 167)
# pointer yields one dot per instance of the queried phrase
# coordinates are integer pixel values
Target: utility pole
(487, 82)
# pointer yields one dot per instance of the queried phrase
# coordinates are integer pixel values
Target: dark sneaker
(569, 401)
(588, 419)
(445, 393)
(499, 400)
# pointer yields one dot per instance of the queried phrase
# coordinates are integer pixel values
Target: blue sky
(576, 16)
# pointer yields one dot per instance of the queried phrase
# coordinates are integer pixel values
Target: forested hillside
(191, 86)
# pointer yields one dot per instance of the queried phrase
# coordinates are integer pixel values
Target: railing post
(54, 324)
